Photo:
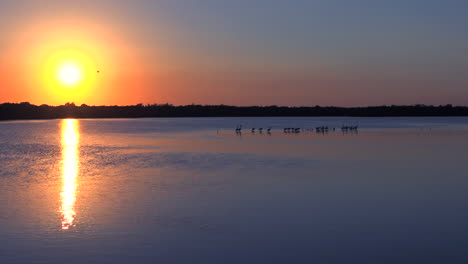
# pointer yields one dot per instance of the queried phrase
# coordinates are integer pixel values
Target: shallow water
(191, 190)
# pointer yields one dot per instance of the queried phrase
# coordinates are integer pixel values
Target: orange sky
(36, 45)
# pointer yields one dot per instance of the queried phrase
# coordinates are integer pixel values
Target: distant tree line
(25, 110)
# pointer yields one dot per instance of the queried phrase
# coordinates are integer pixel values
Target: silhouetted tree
(25, 110)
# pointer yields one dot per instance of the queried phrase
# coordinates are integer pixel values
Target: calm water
(192, 191)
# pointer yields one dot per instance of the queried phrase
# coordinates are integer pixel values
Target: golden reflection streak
(70, 168)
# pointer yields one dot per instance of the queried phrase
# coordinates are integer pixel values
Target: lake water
(191, 190)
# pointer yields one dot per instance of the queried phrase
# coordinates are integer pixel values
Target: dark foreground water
(193, 191)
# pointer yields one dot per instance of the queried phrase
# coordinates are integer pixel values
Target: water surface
(191, 190)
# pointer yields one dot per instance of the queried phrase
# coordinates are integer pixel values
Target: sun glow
(75, 59)
(70, 74)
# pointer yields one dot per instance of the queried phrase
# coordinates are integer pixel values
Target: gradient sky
(243, 52)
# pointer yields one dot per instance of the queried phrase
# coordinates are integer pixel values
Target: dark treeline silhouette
(25, 110)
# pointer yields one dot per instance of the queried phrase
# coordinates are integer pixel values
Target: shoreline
(27, 111)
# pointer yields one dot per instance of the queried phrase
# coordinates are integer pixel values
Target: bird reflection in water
(70, 168)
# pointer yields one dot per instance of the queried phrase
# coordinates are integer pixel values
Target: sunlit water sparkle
(70, 169)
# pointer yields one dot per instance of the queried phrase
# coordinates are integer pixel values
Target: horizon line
(226, 105)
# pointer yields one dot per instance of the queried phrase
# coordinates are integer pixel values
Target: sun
(69, 74)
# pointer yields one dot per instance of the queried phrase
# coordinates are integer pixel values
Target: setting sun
(69, 74)
(69, 68)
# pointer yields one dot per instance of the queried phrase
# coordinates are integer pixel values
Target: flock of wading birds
(295, 130)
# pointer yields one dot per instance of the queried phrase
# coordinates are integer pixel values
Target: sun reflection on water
(70, 168)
